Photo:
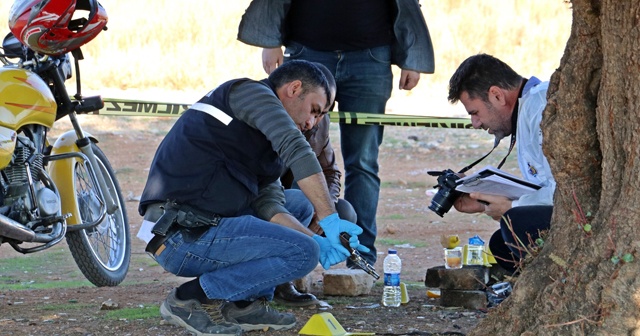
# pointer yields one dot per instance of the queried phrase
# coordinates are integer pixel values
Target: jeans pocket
(194, 265)
(169, 259)
(293, 51)
(381, 54)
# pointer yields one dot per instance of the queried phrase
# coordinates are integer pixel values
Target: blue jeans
(245, 258)
(364, 81)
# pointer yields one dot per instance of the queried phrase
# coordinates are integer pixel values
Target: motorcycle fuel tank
(25, 99)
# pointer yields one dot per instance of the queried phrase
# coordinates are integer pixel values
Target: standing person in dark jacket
(215, 210)
(357, 40)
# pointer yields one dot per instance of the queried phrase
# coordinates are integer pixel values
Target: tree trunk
(586, 282)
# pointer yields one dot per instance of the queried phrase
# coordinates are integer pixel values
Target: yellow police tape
(127, 107)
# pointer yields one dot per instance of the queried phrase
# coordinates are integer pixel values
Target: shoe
(199, 319)
(288, 295)
(258, 316)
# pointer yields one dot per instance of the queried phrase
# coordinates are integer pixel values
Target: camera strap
(514, 125)
(513, 142)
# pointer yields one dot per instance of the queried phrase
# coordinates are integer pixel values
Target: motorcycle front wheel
(102, 252)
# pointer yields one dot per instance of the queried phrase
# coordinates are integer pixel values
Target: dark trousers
(526, 224)
(346, 211)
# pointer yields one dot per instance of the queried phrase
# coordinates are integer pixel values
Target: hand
(466, 204)
(408, 79)
(494, 206)
(332, 226)
(354, 243)
(329, 256)
(271, 59)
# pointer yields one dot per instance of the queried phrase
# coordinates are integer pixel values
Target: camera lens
(447, 194)
(437, 208)
(443, 201)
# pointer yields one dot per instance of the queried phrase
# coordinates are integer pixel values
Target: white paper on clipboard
(493, 181)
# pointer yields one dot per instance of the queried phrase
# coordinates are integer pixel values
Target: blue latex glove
(355, 244)
(328, 255)
(332, 226)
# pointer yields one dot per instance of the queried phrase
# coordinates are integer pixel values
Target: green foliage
(71, 306)
(390, 241)
(393, 216)
(134, 313)
(53, 268)
(626, 258)
(143, 260)
(42, 284)
(36, 262)
(393, 242)
(33, 271)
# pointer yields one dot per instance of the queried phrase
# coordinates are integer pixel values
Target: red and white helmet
(54, 27)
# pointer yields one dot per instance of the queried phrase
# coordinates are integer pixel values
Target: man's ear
(294, 88)
(496, 95)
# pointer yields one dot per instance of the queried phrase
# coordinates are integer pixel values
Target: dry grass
(190, 46)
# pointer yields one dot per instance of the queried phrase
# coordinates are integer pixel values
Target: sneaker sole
(265, 327)
(168, 316)
(296, 303)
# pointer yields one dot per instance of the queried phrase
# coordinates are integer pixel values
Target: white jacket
(533, 164)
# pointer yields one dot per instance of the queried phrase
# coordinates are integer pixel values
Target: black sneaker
(199, 319)
(258, 316)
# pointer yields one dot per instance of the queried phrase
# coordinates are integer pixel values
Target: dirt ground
(404, 222)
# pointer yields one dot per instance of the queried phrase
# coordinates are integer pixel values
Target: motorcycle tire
(102, 252)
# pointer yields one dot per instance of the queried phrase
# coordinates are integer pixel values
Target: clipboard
(493, 181)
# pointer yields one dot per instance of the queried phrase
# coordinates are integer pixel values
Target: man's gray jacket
(263, 26)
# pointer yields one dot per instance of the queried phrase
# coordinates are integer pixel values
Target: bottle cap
(392, 251)
(476, 240)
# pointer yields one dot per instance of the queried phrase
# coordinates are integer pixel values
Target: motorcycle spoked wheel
(102, 252)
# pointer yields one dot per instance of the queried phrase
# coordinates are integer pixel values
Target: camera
(443, 200)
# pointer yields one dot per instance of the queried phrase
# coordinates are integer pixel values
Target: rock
(109, 305)
(465, 278)
(347, 282)
(469, 299)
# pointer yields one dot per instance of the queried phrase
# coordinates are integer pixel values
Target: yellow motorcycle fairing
(25, 99)
(62, 173)
(8, 139)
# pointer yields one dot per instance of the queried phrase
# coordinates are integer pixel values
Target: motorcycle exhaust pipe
(14, 230)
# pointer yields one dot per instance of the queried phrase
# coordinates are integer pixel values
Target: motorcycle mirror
(11, 46)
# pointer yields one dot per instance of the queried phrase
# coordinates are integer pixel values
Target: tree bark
(585, 282)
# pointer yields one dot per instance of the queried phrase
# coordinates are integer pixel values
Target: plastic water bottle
(391, 295)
